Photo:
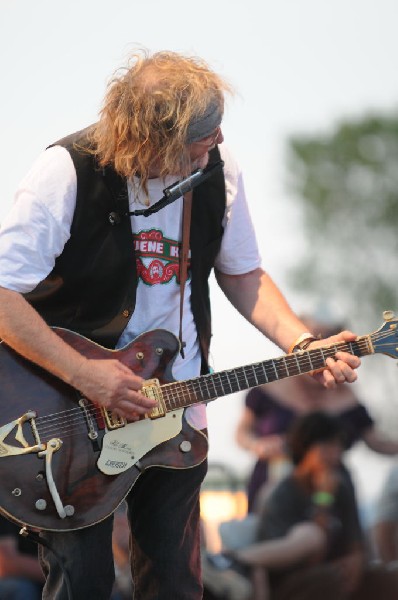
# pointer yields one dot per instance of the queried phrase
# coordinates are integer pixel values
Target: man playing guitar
(72, 256)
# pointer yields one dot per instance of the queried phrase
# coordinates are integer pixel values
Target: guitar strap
(183, 258)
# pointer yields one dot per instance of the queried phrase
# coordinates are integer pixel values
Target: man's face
(199, 151)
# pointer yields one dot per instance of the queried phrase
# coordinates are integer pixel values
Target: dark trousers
(163, 509)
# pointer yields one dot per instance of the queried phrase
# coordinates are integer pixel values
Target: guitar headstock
(385, 339)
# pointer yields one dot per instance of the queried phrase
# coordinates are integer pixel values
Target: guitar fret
(199, 388)
(218, 384)
(276, 372)
(281, 367)
(196, 390)
(258, 368)
(269, 371)
(244, 375)
(323, 355)
(231, 389)
(206, 382)
(318, 360)
(238, 381)
(211, 386)
(292, 365)
(250, 376)
(264, 373)
(235, 387)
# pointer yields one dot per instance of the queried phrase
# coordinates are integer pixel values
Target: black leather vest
(92, 287)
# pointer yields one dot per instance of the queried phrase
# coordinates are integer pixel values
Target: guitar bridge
(151, 389)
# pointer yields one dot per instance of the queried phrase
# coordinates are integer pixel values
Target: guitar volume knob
(70, 510)
(185, 446)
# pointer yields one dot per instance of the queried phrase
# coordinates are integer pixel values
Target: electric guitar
(66, 463)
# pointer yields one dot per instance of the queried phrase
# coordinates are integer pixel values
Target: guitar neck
(203, 389)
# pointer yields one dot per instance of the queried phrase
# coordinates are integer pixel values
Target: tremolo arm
(52, 446)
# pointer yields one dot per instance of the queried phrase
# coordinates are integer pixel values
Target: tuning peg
(388, 315)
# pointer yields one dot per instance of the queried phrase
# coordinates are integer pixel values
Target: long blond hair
(147, 110)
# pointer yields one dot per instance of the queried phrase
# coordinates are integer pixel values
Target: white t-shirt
(37, 228)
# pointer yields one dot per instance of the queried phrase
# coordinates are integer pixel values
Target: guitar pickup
(112, 420)
(151, 389)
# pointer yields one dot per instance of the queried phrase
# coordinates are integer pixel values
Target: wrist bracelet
(302, 342)
(322, 498)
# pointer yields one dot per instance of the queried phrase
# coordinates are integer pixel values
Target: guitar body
(87, 493)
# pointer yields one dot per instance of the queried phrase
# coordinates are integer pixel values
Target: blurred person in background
(270, 410)
(21, 577)
(385, 525)
(309, 537)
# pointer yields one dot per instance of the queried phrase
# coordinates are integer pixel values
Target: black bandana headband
(204, 125)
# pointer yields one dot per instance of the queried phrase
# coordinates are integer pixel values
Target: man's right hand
(112, 385)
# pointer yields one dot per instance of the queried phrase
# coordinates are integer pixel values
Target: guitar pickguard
(123, 448)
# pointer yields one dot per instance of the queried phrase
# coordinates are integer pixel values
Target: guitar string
(168, 390)
(53, 421)
(180, 385)
(292, 359)
(223, 380)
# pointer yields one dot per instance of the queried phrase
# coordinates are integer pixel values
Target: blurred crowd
(303, 537)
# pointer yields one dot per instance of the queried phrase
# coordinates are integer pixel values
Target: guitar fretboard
(181, 394)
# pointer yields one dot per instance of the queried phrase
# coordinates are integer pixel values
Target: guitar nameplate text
(123, 448)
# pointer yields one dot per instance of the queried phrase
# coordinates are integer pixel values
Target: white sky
(299, 66)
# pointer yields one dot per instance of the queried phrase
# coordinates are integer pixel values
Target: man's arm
(260, 301)
(108, 383)
(377, 441)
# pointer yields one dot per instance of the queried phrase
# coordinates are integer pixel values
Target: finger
(130, 416)
(335, 369)
(341, 371)
(347, 336)
(349, 373)
(132, 412)
(140, 400)
(327, 379)
(353, 361)
(346, 366)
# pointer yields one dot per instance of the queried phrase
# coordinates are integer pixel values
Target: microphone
(179, 188)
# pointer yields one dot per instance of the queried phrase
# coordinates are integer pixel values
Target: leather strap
(183, 258)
